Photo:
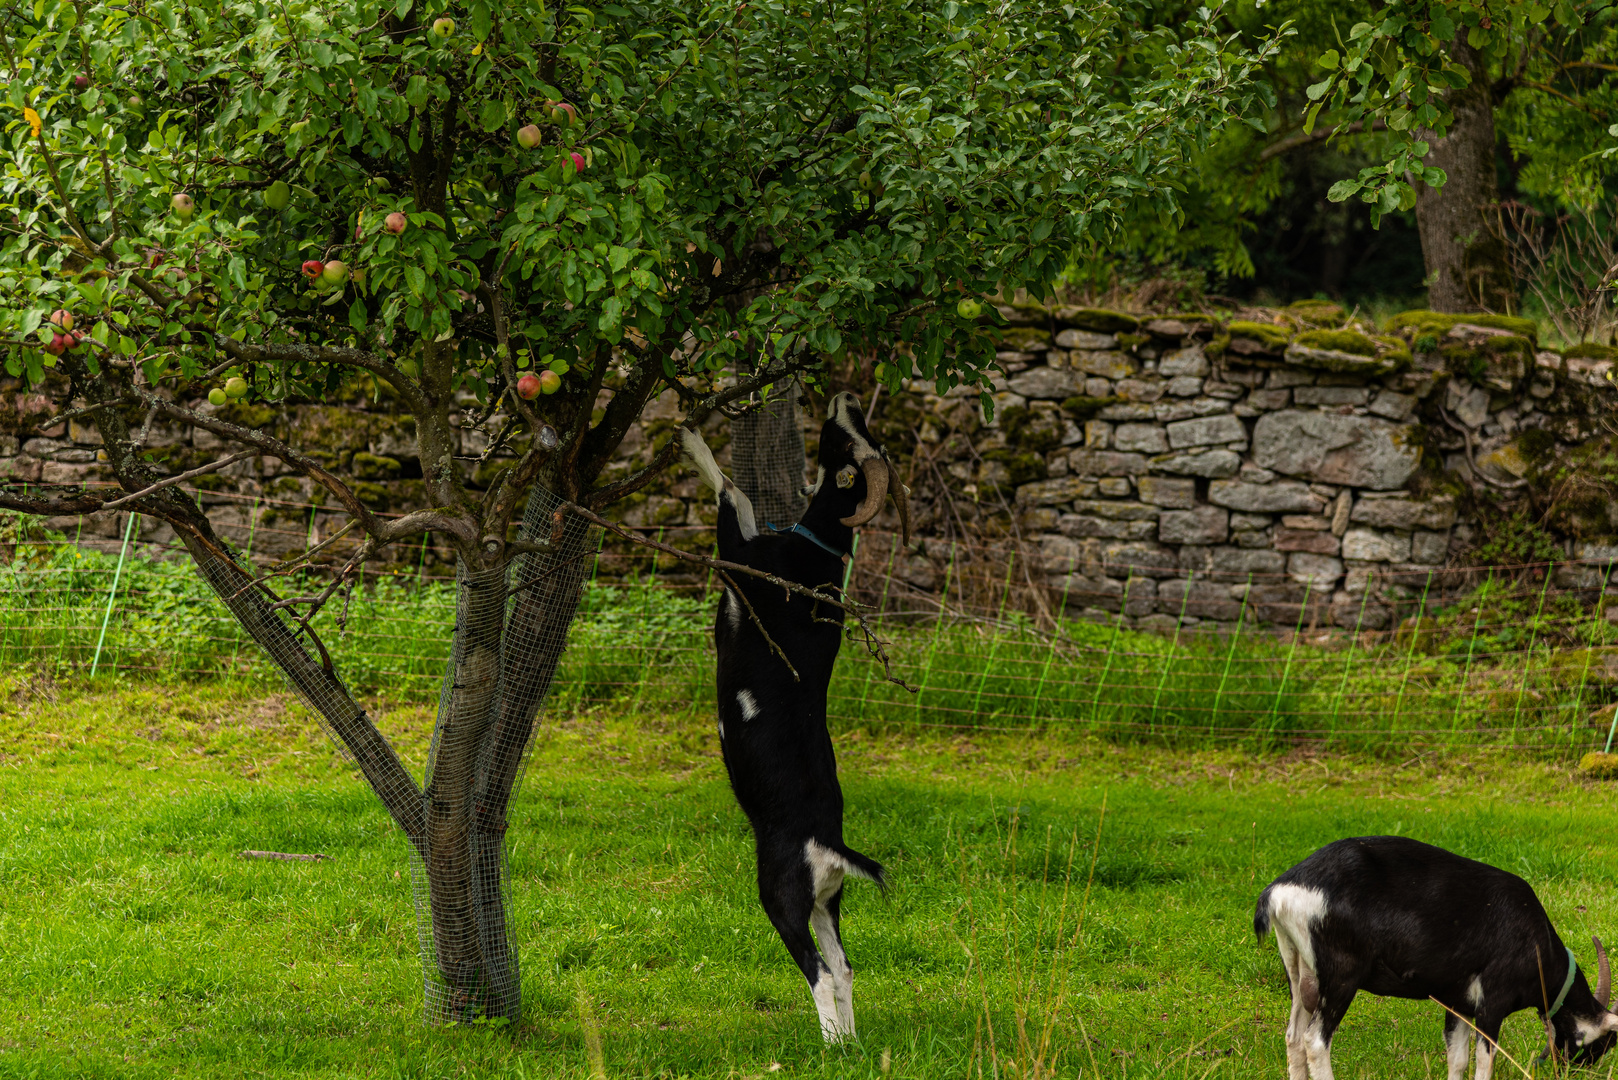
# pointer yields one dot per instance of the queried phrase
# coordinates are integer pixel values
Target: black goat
(1400, 918)
(772, 727)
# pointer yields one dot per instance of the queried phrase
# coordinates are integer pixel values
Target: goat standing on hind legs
(772, 726)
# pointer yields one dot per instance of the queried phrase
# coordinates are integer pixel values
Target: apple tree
(561, 212)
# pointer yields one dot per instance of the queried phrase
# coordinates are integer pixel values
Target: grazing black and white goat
(1400, 918)
(772, 727)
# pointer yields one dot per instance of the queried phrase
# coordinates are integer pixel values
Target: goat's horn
(876, 489)
(901, 501)
(1603, 975)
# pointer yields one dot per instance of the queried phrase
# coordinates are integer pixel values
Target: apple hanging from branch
(395, 223)
(443, 28)
(313, 268)
(529, 136)
(184, 205)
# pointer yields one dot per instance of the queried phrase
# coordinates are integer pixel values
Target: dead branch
(283, 856)
(180, 479)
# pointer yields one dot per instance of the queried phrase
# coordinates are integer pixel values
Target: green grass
(1509, 665)
(138, 944)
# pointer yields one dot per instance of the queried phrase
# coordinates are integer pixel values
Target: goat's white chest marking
(748, 704)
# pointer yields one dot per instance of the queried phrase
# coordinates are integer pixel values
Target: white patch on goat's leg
(1458, 1043)
(1485, 1067)
(825, 995)
(1318, 1049)
(1298, 1019)
(831, 947)
(747, 703)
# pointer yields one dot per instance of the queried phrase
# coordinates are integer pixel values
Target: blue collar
(809, 536)
(1567, 983)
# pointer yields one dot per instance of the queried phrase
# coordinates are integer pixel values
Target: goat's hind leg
(786, 889)
(827, 921)
(1305, 1000)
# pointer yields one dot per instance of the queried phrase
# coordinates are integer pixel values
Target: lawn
(139, 943)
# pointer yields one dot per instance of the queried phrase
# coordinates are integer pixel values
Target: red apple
(578, 160)
(396, 222)
(529, 137)
(528, 386)
(313, 267)
(359, 230)
(563, 114)
(58, 345)
(549, 382)
(81, 82)
(62, 319)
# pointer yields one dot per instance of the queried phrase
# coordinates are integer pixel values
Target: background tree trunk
(1466, 266)
(767, 459)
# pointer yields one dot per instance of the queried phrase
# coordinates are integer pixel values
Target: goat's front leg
(1457, 1044)
(736, 522)
(1488, 1035)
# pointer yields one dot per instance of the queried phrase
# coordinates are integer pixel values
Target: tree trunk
(767, 459)
(1466, 266)
(506, 652)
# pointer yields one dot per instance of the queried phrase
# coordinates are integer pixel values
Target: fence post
(1286, 668)
(938, 630)
(994, 649)
(1589, 650)
(887, 579)
(112, 593)
(1174, 645)
(1112, 646)
(1466, 671)
(1348, 661)
(1528, 657)
(1230, 654)
(1410, 653)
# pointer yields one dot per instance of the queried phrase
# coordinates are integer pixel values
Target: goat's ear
(1609, 1022)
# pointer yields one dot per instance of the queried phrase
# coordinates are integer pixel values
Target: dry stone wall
(1177, 469)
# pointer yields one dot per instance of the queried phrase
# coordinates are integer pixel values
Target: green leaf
(492, 116)
(1329, 60)
(356, 315)
(1343, 190)
(1318, 90)
(416, 91)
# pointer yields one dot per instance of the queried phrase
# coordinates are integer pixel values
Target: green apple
(334, 274)
(235, 387)
(216, 397)
(277, 195)
(443, 28)
(969, 308)
(184, 205)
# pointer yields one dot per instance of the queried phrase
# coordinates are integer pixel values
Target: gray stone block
(1174, 494)
(1098, 463)
(1082, 591)
(1208, 463)
(1139, 596)
(1393, 405)
(1355, 451)
(1279, 497)
(1188, 362)
(1132, 411)
(1185, 386)
(1059, 554)
(1223, 391)
(1081, 526)
(1331, 395)
(1098, 435)
(1108, 365)
(1307, 540)
(1147, 390)
(1281, 378)
(1198, 599)
(1050, 492)
(1250, 538)
(1142, 438)
(1319, 572)
(1403, 513)
(1251, 521)
(1117, 510)
(1203, 525)
(1140, 559)
(1086, 339)
(1240, 562)
(1097, 387)
(1206, 431)
(1269, 400)
(1429, 548)
(1372, 545)
(1046, 384)
(1114, 486)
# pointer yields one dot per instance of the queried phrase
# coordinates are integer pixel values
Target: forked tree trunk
(767, 459)
(510, 631)
(1466, 265)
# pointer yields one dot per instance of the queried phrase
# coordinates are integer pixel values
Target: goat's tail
(863, 866)
(1261, 915)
